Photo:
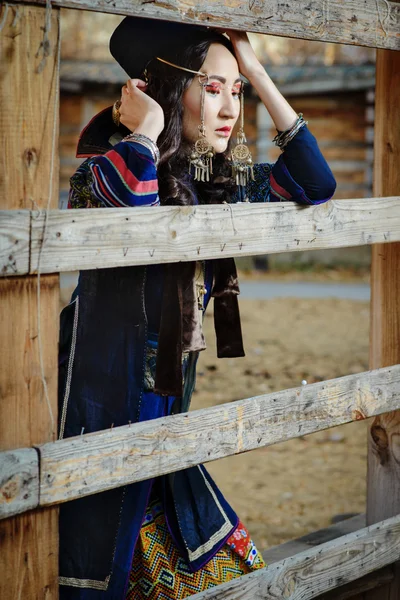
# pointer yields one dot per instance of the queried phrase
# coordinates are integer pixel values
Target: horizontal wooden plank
(362, 22)
(14, 242)
(310, 573)
(19, 481)
(316, 538)
(355, 589)
(95, 462)
(98, 238)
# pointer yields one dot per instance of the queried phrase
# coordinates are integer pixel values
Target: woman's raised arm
(124, 176)
(127, 174)
(301, 173)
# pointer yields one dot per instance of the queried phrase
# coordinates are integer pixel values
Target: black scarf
(180, 329)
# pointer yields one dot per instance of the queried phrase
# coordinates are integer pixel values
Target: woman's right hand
(139, 112)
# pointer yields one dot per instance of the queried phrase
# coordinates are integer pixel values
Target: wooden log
(361, 22)
(383, 489)
(116, 237)
(95, 462)
(28, 129)
(19, 481)
(315, 571)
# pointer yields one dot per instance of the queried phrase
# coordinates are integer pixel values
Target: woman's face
(221, 103)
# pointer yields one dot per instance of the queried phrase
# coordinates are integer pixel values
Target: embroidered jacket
(107, 363)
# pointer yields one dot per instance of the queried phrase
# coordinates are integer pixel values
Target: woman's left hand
(248, 62)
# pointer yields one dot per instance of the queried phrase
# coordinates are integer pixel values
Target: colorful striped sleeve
(124, 176)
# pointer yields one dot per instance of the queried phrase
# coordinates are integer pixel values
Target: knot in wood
(381, 443)
(358, 415)
(10, 489)
(30, 157)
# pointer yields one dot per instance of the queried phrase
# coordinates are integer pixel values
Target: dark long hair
(167, 86)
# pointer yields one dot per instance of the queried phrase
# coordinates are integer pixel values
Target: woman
(130, 337)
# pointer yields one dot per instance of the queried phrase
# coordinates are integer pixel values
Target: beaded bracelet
(284, 137)
(147, 142)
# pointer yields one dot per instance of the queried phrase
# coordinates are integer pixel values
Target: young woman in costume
(130, 337)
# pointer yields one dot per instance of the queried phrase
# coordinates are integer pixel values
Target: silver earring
(242, 162)
(202, 151)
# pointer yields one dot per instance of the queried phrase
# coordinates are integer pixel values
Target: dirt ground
(292, 488)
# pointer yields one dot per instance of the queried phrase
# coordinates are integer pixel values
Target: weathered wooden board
(95, 462)
(363, 22)
(98, 238)
(313, 572)
(19, 481)
(355, 590)
(383, 485)
(14, 241)
(384, 474)
(28, 332)
(371, 581)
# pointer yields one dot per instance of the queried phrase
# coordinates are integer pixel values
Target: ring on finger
(116, 115)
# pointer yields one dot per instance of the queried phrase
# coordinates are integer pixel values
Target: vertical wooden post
(28, 415)
(383, 499)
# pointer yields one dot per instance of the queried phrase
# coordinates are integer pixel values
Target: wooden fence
(37, 241)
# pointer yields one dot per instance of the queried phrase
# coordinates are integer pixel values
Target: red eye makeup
(213, 87)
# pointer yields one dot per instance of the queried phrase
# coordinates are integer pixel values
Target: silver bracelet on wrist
(284, 137)
(147, 142)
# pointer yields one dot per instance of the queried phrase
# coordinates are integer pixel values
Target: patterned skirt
(159, 572)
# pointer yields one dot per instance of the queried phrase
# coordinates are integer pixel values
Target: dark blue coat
(104, 335)
(102, 350)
